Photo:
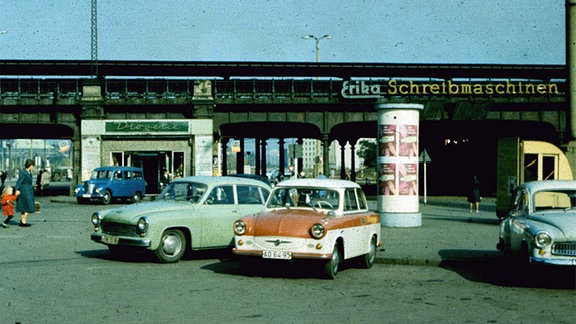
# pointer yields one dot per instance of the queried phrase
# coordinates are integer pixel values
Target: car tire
(331, 267)
(107, 197)
(136, 197)
(369, 258)
(172, 246)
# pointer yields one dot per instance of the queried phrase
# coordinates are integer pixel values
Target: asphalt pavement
(449, 233)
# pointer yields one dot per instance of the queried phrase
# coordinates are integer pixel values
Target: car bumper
(295, 255)
(124, 241)
(560, 262)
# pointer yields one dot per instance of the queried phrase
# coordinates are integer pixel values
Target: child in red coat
(8, 202)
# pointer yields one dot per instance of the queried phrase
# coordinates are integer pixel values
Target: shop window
(117, 158)
(178, 164)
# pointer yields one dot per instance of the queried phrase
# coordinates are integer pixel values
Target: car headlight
(98, 190)
(542, 239)
(317, 231)
(143, 224)
(76, 190)
(96, 219)
(239, 227)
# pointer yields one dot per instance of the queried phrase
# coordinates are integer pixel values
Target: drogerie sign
(365, 90)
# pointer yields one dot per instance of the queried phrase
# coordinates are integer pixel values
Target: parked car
(320, 219)
(192, 213)
(541, 224)
(107, 183)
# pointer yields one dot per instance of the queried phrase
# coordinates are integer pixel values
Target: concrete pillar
(240, 158)
(398, 131)
(326, 154)
(281, 162)
(264, 157)
(224, 141)
(342, 158)
(257, 156)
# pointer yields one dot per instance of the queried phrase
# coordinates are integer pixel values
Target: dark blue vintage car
(107, 183)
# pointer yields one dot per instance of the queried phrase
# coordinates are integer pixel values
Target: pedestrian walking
(45, 181)
(474, 195)
(25, 192)
(3, 177)
(39, 184)
(8, 202)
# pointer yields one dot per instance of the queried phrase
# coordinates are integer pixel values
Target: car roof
(315, 182)
(219, 180)
(118, 168)
(549, 185)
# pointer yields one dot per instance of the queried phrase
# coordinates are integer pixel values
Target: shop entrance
(153, 163)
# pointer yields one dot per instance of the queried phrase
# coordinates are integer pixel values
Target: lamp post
(317, 39)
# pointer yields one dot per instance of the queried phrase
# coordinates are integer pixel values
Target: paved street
(448, 270)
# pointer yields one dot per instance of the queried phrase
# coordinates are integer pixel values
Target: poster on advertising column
(387, 179)
(407, 179)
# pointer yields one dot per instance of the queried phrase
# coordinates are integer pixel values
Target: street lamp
(317, 39)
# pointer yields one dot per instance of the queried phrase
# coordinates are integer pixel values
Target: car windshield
(321, 198)
(184, 191)
(553, 200)
(100, 174)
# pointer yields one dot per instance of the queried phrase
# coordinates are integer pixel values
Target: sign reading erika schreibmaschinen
(393, 87)
(126, 126)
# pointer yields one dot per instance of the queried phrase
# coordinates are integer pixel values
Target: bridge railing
(254, 89)
(39, 88)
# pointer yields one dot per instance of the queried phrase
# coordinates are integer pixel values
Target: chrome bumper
(122, 240)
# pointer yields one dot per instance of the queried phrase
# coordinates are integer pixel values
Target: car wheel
(107, 197)
(136, 197)
(369, 258)
(331, 267)
(172, 246)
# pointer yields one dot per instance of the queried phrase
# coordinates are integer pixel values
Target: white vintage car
(321, 219)
(192, 213)
(541, 224)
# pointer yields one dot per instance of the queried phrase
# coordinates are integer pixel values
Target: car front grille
(564, 248)
(120, 229)
(89, 188)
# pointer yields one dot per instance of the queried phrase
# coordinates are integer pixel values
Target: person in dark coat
(3, 177)
(25, 189)
(474, 196)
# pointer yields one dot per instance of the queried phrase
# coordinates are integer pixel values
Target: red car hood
(284, 222)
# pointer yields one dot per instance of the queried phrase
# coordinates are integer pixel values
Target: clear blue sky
(384, 31)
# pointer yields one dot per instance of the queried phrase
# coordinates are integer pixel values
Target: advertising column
(398, 200)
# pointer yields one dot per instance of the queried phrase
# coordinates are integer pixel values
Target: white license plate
(283, 255)
(86, 195)
(107, 239)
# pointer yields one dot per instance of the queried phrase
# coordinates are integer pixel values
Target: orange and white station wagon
(321, 219)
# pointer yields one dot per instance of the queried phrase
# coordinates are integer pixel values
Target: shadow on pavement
(493, 268)
(471, 219)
